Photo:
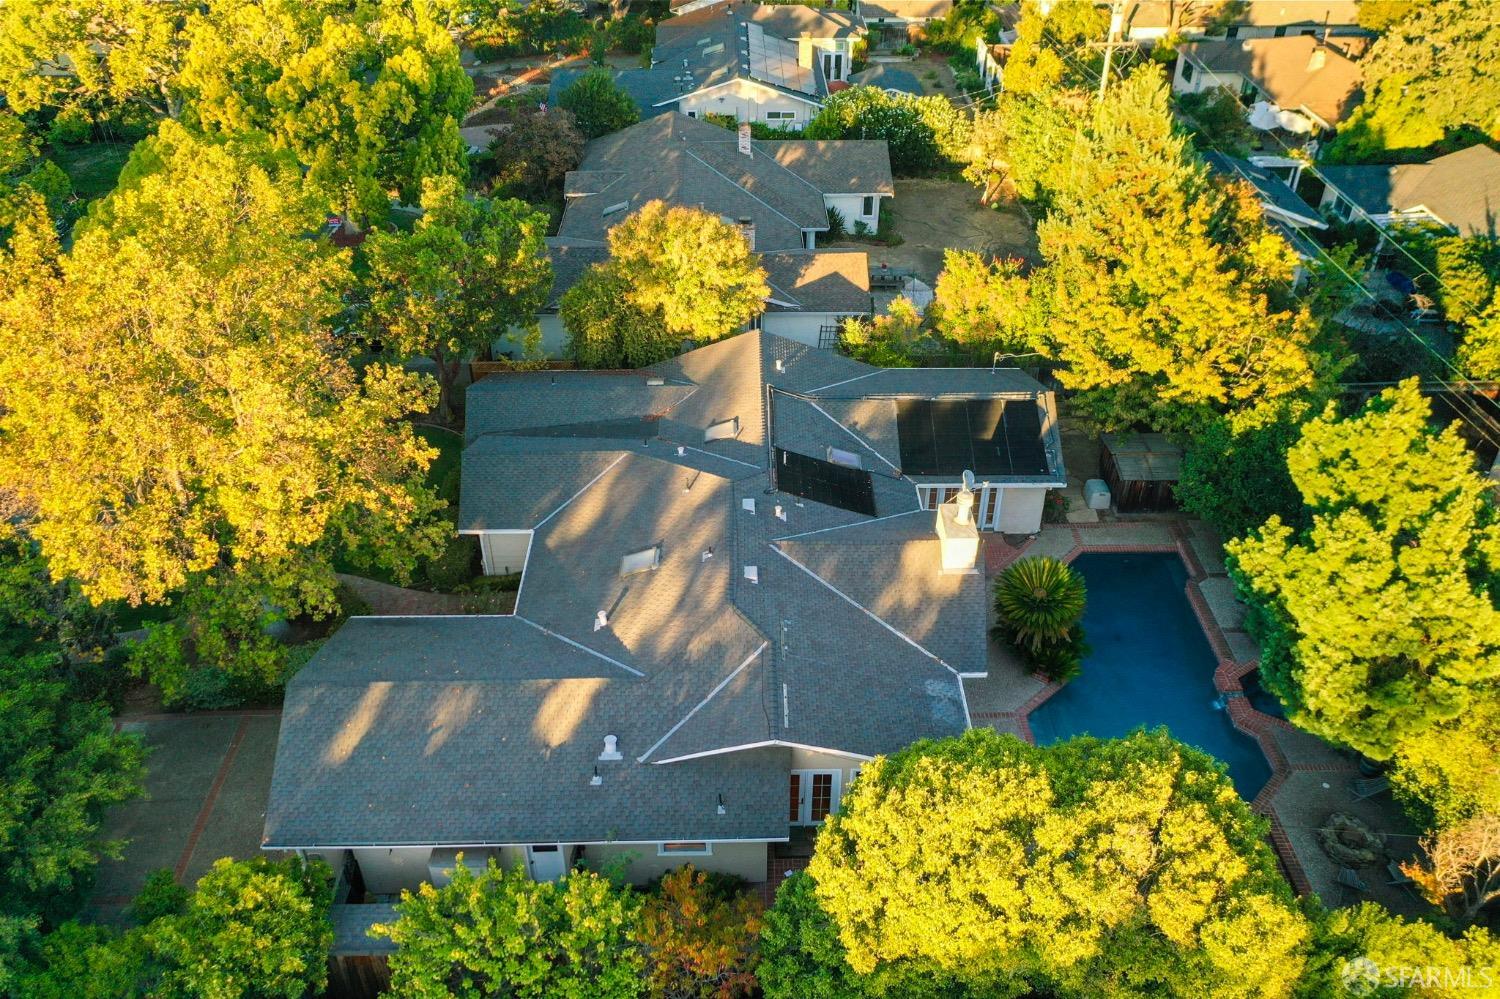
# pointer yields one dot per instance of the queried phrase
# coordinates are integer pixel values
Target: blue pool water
(1150, 665)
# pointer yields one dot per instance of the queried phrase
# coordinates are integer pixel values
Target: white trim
(483, 845)
(840, 527)
(974, 676)
(711, 694)
(871, 614)
(804, 789)
(516, 607)
(707, 851)
(750, 80)
(576, 645)
(851, 433)
(579, 493)
(780, 743)
(846, 381)
(963, 697)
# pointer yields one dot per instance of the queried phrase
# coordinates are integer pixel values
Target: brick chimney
(747, 229)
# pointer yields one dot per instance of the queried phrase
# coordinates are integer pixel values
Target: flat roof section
(984, 436)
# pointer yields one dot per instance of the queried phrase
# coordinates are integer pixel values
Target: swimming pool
(1150, 665)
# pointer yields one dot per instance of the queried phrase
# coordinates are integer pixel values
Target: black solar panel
(985, 436)
(824, 482)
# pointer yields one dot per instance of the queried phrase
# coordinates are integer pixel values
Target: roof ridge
(711, 695)
(730, 180)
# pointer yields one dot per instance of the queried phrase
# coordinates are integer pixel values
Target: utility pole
(1116, 24)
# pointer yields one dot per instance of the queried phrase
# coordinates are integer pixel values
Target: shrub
(1038, 604)
(71, 127)
(836, 228)
(160, 896)
(702, 942)
(598, 103)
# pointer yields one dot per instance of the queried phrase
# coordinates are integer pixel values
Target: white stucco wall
(852, 208)
(748, 101)
(504, 551)
(1021, 509)
(389, 871)
(1203, 80)
(803, 327)
(745, 860)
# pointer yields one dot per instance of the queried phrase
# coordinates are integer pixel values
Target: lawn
(92, 167)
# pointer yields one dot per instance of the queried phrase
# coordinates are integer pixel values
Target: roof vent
(708, 553)
(1318, 59)
(596, 780)
(780, 512)
(656, 380)
(780, 365)
(614, 209)
(601, 621)
(611, 749)
(645, 560)
(748, 504)
(722, 430)
(752, 573)
(848, 459)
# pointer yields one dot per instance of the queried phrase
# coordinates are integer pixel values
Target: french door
(814, 795)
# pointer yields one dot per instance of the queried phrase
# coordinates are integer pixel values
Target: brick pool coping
(1227, 676)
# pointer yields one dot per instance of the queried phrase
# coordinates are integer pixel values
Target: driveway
(933, 215)
(207, 779)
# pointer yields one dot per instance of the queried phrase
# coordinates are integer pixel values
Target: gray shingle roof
(1462, 188)
(485, 730)
(1273, 191)
(814, 281)
(1285, 71)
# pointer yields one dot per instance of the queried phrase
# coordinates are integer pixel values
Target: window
(814, 796)
(1233, 31)
(848, 459)
(780, 115)
(1280, 31)
(684, 849)
(1187, 71)
(868, 208)
(692, 114)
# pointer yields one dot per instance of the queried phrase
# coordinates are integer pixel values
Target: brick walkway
(386, 600)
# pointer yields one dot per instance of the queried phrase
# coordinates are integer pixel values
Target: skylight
(644, 560)
(723, 430)
(848, 459)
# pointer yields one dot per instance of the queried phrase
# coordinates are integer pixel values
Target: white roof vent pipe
(601, 621)
(611, 749)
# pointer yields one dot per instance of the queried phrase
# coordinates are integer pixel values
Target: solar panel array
(985, 436)
(774, 60)
(824, 482)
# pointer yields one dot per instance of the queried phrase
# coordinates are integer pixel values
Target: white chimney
(744, 137)
(805, 51)
(1318, 59)
(611, 748)
(747, 229)
(956, 530)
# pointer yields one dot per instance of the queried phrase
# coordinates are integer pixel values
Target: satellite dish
(1263, 116)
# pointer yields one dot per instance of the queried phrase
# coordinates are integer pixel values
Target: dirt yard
(933, 215)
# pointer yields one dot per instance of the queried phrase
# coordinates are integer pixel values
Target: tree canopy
(1434, 71)
(1381, 616)
(923, 132)
(1234, 473)
(469, 273)
(985, 304)
(501, 933)
(180, 353)
(598, 104)
(1086, 868)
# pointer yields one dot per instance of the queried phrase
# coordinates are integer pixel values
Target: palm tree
(1038, 603)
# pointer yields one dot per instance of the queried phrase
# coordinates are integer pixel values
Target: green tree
(702, 942)
(892, 340)
(923, 133)
(55, 54)
(252, 928)
(1434, 72)
(221, 444)
(61, 765)
(1160, 283)
(368, 96)
(1479, 353)
(1395, 949)
(598, 104)
(606, 330)
(1026, 140)
(1038, 604)
(986, 305)
(1234, 473)
(500, 933)
(469, 272)
(690, 268)
(1380, 618)
(1088, 868)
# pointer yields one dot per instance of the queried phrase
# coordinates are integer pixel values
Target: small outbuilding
(1141, 469)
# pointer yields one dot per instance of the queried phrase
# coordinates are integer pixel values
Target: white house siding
(389, 870)
(504, 551)
(748, 101)
(835, 46)
(852, 208)
(803, 327)
(745, 860)
(1204, 80)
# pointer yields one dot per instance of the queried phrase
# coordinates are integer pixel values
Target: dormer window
(645, 560)
(723, 430)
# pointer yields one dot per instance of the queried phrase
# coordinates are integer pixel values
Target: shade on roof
(984, 436)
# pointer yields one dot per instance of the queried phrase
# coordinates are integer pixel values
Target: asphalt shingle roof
(485, 730)
(1462, 188)
(1295, 71)
(1272, 190)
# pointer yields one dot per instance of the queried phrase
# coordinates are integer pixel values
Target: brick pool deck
(1309, 778)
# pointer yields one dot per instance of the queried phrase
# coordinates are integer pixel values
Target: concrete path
(208, 776)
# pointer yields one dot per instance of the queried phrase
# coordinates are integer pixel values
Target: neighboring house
(1274, 179)
(890, 78)
(778, 191)
(902, 13)
(752, 62)
(1154, 19)
(731, 598)
(1299, 74)
(1460, 190)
